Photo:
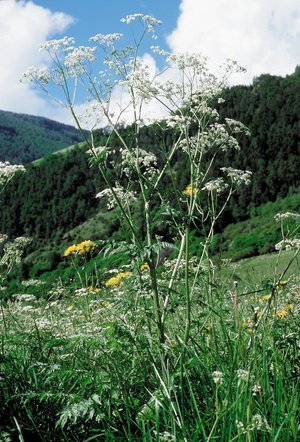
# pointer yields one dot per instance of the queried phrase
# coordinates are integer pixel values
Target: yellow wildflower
(81, 248)
(123, 274)
(85, 247)
(101, 305)
(93, 289)
(116, 281)
(70, 250)
(264, 298)
(113, 282)
(106, 304)
(281, 314)
(289, 307)
(281, 284)
(190, 190)
(144, 266)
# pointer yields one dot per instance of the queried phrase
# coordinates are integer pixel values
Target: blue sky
(95, 16)
(262, 35)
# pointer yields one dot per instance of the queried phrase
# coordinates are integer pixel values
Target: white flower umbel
(242, 375)
(3, 238)
(140, 158)
(146, 20)
(237, 176)
(106, 39)
(33, 283)
(7, 171)
(53, 46)
(218, 185)
(124, 195)
(41, 75)
(237, 127)
(287, 216)
(75, 61)
(218, 377)
(12, 252)
(288, 244)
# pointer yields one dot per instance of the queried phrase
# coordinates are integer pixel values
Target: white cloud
(262, 35)
(23, 26)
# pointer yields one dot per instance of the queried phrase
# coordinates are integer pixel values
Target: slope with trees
(24, 138)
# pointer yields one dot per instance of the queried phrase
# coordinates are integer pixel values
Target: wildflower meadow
(163, 343)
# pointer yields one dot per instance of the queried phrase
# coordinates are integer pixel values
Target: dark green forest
(57, 194)
(25, 138)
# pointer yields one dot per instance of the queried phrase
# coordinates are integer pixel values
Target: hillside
(54, 202)
(25, 138)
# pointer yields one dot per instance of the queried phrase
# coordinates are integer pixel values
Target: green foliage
(55, 200)
(257, 235)
(85, 366)
(121, 341)
(24, 138)
(270, 108)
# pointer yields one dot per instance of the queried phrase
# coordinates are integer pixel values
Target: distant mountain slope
(24, 138)
(57, 193)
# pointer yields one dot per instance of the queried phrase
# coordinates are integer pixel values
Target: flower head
(116, 281)
(144, 266)
(264, 298)
(80, 249)
(218, 377)
(7, 171)
(190, 190)
(281, 313)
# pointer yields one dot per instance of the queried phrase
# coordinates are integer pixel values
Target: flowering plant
(183, 94)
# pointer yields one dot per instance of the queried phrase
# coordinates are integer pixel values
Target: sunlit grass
(88, 365)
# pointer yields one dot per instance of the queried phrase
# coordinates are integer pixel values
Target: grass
(59, 152)
(254, 271)
(85, 364)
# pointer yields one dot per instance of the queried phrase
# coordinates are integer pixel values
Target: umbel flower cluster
(7, 171)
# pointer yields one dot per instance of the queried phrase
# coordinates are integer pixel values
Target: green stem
(187, 294)
(157, 308)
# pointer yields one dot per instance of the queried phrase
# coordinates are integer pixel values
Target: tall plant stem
(157, 308)
(187, 294)
(154, 286)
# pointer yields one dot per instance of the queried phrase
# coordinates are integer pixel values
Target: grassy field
(84, 363)
(253, 271)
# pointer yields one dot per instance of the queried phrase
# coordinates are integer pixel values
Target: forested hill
(270, 107)
(24, 138)
(57, 194)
